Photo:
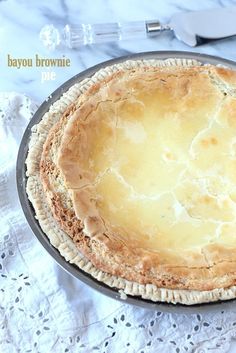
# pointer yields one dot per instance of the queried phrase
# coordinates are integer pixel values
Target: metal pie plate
(30, 213)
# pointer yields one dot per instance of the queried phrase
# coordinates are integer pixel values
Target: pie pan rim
(29, 211)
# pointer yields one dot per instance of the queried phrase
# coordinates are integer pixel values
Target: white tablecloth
(44, 309)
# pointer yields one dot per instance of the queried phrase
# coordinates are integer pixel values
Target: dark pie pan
(30, 213)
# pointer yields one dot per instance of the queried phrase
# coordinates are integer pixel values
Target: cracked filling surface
(138, 169)
(152, 157)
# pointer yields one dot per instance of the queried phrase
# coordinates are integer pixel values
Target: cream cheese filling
(164, 166)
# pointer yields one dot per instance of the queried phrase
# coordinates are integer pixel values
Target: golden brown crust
(205, 269)
(227, 76)
(106, 251)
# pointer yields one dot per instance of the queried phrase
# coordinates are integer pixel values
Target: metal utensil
(192, 28)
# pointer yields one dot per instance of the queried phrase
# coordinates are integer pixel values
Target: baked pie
(132, 175)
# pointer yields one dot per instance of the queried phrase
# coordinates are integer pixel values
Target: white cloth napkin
(44, 309)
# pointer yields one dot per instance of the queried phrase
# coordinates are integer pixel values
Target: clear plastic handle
(73, 36)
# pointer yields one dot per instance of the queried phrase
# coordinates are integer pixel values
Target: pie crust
(132, 177)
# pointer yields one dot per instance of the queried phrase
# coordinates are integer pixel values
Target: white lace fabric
(44, 309)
